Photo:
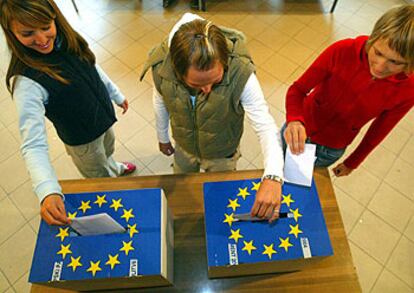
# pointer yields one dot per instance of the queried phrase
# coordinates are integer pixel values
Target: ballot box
(139, 254)
(236, 248)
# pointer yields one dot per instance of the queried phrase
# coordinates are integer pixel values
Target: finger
(288, 138)
(48, 217)
(274, 216)
(302, 139)
(269, 212)
(262, 210)
(295, 142)
(255, 209)
(61, 208)
(57, 215)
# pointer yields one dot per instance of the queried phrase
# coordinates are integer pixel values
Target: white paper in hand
(299, 168)
(96, 225)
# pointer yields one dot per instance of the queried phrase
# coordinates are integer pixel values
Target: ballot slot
(98, 224)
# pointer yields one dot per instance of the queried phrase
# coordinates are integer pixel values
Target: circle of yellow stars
(112, 261)
(248, 246)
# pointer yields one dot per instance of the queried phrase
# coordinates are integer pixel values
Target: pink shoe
(129, 168)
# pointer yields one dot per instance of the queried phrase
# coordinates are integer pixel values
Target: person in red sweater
(351, 83)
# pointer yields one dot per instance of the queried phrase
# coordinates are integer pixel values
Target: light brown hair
(397, 27)
(198, 43)
(38, 13)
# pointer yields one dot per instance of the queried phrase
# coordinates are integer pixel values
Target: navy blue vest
(80, 111)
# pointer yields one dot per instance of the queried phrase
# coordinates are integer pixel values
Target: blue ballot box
(236, 248)
(139, 256)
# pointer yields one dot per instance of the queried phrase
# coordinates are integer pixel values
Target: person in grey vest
(53, 73)
(204, 83)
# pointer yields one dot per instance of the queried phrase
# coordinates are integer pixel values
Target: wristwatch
(273, 178)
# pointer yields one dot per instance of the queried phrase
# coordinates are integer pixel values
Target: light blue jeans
(325, 156)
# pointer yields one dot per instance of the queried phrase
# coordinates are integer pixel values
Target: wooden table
(185, 198)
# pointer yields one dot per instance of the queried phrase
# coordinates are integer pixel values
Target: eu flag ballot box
(140, 256)
(236, 248)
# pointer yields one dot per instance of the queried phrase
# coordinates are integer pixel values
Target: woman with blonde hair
(351, 83)
(204, 83)
(53, 73)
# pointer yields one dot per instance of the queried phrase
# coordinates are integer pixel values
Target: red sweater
(337, 96)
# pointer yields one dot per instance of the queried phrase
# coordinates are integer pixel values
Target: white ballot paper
(96, 225)
(299, 168)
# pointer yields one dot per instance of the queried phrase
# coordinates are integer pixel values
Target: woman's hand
(342, 170)
(53, 210)
(295, 137)
(166, 148)
(124, 105)
(267, 202)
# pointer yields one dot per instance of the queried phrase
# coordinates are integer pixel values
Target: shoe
(129, 168)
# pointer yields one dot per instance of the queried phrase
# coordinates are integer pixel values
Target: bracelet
(273, 178)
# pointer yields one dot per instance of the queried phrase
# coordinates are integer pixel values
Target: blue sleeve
(30, 98)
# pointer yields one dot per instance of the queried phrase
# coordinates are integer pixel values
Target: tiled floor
(376, 202)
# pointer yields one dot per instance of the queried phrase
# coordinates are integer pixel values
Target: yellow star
(269, 250)
(116, 204)
(74, 263)
(132, 230)
(295, 230)
(243, 192)
(63, 233)
(256, 186)
(284, 243)
(233, 204)
(64, 250)
(287, 199)
(126, 247)
(248, 246)
(100, 200)
(72, 215)
(113, 260)
(127, 215)
(229, 219)
(94, 267)
(296, 214)
(235, 235)
(85, 206)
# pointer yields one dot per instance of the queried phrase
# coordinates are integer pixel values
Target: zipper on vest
(196, 142)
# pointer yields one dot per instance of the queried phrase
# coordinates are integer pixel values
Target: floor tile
(65, 168)
(26, 200)
(272, 34)
(288, 25)
(99, 29)
(259, 52)
(401, 261)
(161, 165)
(128, 124)
(143, 105)
(310, 38)
(4, 283)
(137, 28)
(11, 180)
(280, 67)
(350, 209)
(361, 185)
(16, 253)
(296, 52)
(131, 87)
(268, 82)
(400, 177)
(396, 140)
(389, 283)
(392, 207)
(409, 230)
(248, 149)
(120, 18)
(407, 152)
(380, 161)
(116, 42)
(22, 285)
(35, 223)
(153, 39)
(114, 68)
(3, 194)
(100, 52)
(367, 267)
(148, 151)
(374, 236)
(8, 114)
(134, 55)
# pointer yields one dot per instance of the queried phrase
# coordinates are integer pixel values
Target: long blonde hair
(198, 43)
(397, 27)
(38, 13)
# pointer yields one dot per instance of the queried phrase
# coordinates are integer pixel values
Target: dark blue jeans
(325, 156)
